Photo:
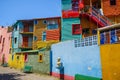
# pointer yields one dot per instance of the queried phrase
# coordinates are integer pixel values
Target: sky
(13, 10)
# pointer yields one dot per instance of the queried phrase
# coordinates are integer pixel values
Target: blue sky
(12, 10)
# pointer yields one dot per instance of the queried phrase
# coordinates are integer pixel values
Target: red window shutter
(76, 29)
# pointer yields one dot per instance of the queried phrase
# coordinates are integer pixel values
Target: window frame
(78, 26)
(40, 57)
(15, 40)
(112, 2)
(26, 57)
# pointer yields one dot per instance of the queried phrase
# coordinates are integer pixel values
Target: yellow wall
(110, 59)
(16, 63)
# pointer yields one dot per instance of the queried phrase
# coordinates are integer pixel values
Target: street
(7, 73)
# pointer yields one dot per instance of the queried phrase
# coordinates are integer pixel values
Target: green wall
(66, 31)
(39, 67)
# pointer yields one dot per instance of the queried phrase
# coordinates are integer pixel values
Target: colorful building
(32, 36)
(80, 56)
(22, 38)
(111, 10)
(46, 31)
(22, 35)
(39, 60)
(109, 51)
(71, 28)
(5, 39)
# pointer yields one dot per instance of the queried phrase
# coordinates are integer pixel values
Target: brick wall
(110, 10)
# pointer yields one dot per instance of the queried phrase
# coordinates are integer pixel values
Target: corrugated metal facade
(66, 30)
(46, 29)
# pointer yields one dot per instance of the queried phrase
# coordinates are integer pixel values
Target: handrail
(99, 18)
(109, 22)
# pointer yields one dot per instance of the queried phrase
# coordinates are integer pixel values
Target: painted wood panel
(66, 30)
(53, 35)
(41, 27)
(110, 59)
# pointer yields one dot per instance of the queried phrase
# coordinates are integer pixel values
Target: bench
(27, 69)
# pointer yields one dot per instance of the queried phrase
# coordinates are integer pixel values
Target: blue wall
(16, 34)
(77, 60)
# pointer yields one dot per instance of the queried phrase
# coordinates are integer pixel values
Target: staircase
(101, 20)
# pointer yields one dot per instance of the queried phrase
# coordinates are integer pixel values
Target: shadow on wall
(10, 76)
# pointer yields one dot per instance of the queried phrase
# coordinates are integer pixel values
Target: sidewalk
(12, 74)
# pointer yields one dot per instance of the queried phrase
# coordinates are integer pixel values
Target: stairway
(101, 20)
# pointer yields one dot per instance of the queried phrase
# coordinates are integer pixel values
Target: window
(40, 56)
(35, 38)
(15, 28)
(9, 51)
(86, 31)
(76, 29)
(75, 4)
(18, 57)
(35, 22)
(43, 36)
(3, 44)
(15, 40)
(12, 57)
(26, 57)
(94, 31)
(0, 38)
(112, 2)
(44, 22)
(52, 26)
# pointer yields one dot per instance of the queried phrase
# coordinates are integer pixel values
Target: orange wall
(111, 9)
(40, 27)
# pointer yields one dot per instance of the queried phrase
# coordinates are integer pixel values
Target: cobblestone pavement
(7, 73)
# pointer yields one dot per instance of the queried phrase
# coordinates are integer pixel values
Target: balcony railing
(25, 32)
(25, 45)
(110, 37)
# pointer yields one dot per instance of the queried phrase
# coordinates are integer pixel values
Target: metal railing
(110, 37)
(100, 17)
(25, 45)
(87, 41)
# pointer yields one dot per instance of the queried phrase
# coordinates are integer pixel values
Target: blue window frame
(44, 36)
(102, 38)
(113, 36)
(52, 26)
(35, 22)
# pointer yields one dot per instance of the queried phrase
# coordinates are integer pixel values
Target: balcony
(30, 33)
(26, 30)
(26, 45)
